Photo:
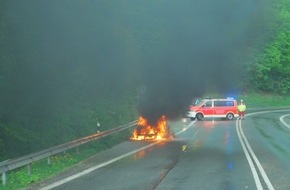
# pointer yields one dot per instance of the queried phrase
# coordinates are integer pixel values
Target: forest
(69, 68)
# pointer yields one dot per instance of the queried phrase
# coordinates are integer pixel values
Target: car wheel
(230, 116)
(199, 116)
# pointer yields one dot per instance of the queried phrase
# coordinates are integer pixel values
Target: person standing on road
(241, 109)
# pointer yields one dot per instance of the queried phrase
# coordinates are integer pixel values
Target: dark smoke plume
(205, 40)
(57, 56)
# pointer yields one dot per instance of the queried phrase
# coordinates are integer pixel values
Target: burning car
(147, 131)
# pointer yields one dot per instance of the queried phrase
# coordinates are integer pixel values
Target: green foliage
(52, 92)
(29, 135)
(2, 145)
(18, 179)
(258, 100)
(56, 87)
(269, 70)
(40, 170)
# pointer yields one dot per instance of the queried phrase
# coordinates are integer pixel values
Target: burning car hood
(146, 131)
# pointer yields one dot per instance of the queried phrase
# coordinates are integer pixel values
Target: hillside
(66, 66)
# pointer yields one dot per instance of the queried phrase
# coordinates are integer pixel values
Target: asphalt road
(211, 154)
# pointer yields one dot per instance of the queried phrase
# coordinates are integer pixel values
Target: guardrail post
(29, 169)
(77, 149)
(22, 161)
(48, 160)
(4, 179)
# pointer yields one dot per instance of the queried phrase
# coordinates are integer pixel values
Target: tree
(270, 68)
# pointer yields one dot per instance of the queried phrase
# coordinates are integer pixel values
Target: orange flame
(144, 131)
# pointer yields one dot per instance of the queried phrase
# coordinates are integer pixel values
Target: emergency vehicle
(214, 108)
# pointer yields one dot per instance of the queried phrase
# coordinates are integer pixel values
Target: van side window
(230, 103)
(223, 103)
(208, 104)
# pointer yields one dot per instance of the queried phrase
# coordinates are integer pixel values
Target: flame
(145, 131)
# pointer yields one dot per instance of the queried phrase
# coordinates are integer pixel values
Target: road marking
(87, 171)
(252, 167)
(260, 112)
(247, 149)
(195, 133)
(185, 146)
(187, 127)
(261, 169)
(282, 120)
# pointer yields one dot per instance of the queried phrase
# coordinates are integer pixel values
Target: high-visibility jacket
(241, 107)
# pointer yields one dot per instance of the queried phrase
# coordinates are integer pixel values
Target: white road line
(261, 169)
(244, 142)
(282, 120)
(187, 127)
(85, 172)
(260, 112)
(251, 164)
(195, 133)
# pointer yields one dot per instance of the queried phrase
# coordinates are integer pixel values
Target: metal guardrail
(27, 160)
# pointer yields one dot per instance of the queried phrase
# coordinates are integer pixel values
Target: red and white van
(214, 108)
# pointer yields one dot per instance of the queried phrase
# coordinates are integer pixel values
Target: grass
(40, 170)
(265, 100)
(254, 100)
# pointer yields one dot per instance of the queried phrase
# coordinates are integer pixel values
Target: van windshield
(200, 102)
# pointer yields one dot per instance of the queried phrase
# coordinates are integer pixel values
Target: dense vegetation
(269, 65)
(56, 83)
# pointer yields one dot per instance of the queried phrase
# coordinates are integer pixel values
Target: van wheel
(199, 116)
(230, 116)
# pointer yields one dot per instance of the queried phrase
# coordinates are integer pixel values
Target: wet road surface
(211, 154)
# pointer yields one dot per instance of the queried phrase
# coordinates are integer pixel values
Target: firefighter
(241, 109)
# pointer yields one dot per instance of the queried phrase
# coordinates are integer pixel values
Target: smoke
(61, 54)
(57, 53)
(205, 40)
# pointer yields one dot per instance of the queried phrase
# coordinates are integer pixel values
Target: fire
(145, 131)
